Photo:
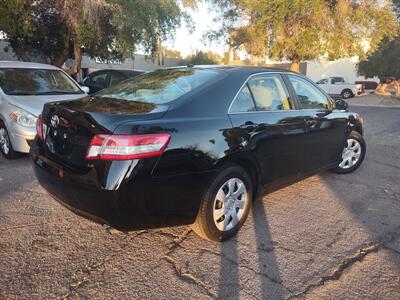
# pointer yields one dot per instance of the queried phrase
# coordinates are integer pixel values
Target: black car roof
(245, 70)
(126, 72)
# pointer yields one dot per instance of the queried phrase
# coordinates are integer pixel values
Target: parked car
(337, 87)
(24, 89)
(191, 145)
(369, 86)
(99, 80)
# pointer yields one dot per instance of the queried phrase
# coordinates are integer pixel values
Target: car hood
(34, 104)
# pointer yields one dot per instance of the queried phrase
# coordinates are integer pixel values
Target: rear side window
(243, 102)
(269, 93)
(309, 96)
(159, 87)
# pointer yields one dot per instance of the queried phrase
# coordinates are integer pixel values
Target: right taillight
(126, 147)
(39, 127)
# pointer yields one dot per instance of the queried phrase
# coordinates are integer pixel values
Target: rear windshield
(36, 82)
(159, 87)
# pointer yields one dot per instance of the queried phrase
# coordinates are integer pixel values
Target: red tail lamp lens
(127, 147)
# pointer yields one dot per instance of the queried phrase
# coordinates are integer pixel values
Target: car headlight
(23, 118)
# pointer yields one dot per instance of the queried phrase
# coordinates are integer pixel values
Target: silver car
(24, 89)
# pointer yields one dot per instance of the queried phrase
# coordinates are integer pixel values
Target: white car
(337, 86)
(24, 89)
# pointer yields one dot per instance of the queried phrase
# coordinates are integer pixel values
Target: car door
(267, 125)
(326, 128)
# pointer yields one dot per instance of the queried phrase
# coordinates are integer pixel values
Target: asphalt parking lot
(330, 236)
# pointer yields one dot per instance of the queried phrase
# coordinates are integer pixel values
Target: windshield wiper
(19, 93)
(57, 93)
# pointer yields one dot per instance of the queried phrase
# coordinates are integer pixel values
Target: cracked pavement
(329, 236)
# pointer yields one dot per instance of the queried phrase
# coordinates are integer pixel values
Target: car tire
(230, 196)
(346, 94)
(5, 144)
(353, 154)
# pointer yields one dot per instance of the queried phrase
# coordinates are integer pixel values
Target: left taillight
(39, 127)
(126, 147)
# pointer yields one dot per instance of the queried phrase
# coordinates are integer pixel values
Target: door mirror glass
(340, 104)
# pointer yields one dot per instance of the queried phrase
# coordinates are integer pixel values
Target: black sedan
(102, 79)
(191, 146)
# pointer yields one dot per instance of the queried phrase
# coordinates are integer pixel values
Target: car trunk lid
(71, 125)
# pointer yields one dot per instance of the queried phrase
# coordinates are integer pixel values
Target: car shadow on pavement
(267, 282)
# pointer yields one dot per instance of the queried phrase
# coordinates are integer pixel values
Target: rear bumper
(138, 203)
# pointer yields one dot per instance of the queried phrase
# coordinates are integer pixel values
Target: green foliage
(306, 29)
(34, 28)
(146, 23)
(203, 58)
(171, 53)
(58, 29)
(383, 63)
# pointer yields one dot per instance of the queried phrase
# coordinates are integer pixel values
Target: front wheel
(353, 154)
(5, 144)
(225, 204)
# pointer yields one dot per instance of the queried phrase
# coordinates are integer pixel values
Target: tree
(34, 28)
(307, 29)
(147, 24)
(385, 61)
(172, 53)
(61, 29)
(203, 58)
(89, 28)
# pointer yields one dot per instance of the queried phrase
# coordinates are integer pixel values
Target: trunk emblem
(55, 120)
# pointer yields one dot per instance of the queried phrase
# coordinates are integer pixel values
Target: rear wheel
(225, 205)
(353, 154)
(5, 144)
(346, 94)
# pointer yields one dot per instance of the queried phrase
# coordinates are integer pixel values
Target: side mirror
(85, 89)
(340, 104)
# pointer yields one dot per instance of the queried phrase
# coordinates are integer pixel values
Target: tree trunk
(58, 61)
(295, 65)
(78, 60)
(21, 54)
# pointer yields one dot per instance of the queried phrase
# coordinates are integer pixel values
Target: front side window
(159, 87)
(309, 96)
(269, 93)
(17, 81)
(243, 102)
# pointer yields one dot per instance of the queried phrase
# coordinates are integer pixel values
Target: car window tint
(116, 78)
(161, 86)
(308, 95)
(243, 102)
(269, 93)
(99, 80)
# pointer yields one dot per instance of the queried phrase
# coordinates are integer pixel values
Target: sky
(187, 43)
